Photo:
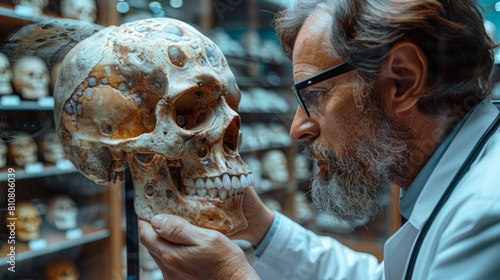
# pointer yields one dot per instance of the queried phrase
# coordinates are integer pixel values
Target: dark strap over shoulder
(463, 169)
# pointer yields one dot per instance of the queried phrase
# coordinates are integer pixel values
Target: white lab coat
(462, 243)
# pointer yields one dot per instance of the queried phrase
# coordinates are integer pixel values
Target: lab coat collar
(398, 247)
(458, 151)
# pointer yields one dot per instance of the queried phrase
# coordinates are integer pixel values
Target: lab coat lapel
(458, 151)
(398, 247)
(397, 250)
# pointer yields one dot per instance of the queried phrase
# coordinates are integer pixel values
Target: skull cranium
(85, 10)
(31, 77)
(62, 212)
(5, 75)
(51, 147)
(28, 221)
(158, 96)
(22, 149)
(62, 269)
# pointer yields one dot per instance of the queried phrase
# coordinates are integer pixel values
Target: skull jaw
(28, 234)
(225, 216)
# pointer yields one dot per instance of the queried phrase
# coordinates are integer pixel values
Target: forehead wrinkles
(315, 34)
(313, 51)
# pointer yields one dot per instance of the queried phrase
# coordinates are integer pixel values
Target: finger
(177, 230)
(163, 252)
(151, 240)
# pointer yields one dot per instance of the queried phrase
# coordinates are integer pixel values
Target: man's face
(347, 133)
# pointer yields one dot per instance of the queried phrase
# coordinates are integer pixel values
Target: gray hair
(451, 34)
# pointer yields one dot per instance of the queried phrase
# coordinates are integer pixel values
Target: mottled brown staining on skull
(155, 82)
(123, 50)
(176, 56)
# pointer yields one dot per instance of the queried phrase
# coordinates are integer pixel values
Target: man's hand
(184, 251)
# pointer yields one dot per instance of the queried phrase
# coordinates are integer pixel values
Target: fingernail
(157, 222)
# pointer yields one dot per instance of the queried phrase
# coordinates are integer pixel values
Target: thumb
(175, 229)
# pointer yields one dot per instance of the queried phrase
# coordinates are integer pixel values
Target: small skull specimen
(85, 10)
(275, 165)
(28, 221)
(31, 77)
(22, 149)
(62, 212)
(5, 75)
(36, 6)
(49, 39)
(63, 269)
(158, 96)
(3, 154)
(51, 147)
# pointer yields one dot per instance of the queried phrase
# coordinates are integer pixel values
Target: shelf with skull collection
(53, 219)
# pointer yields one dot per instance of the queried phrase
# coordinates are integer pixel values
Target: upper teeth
(222, 186)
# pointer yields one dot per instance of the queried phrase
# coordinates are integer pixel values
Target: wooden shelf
(47, 170)
(100, 242)
(18, 20)
(55, 241)
(7, 103)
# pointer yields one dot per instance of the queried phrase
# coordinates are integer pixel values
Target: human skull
(158, 96)
(28, 221)
(51, 147)
(85, 10)
(145, 260)
(31, 77)
(275, 166)
(63, 269)
(302, 167)
(23, 149)
(3, 154)
(62, 212)
(5, 75)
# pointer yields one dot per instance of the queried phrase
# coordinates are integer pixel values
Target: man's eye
(312, 97)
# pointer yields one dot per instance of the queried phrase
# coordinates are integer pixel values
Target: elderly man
(390, 93)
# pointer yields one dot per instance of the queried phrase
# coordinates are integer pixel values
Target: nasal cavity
(230, 140)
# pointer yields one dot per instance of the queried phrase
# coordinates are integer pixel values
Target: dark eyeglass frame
(325, 75)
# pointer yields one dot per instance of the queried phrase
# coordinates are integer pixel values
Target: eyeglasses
(299, 87)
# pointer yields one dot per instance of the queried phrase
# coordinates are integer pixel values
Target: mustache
(315, 150)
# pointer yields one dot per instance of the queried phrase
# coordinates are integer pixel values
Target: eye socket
(194, 109)
(144, 158)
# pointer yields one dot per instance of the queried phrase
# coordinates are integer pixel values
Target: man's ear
(405, 72)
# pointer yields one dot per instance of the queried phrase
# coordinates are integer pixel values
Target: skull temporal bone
(159, 96)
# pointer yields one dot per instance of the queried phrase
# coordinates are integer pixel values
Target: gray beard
(357, 186)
